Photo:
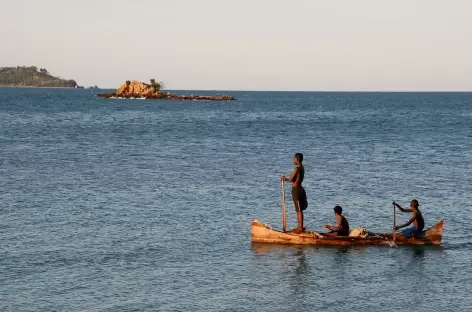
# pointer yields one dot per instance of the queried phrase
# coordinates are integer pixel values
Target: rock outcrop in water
(140, 90)
(135, 88)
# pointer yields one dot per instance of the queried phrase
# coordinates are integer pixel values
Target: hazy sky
(245, 44)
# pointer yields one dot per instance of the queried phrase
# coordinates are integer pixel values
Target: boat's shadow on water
(301, 262)
(417, 250)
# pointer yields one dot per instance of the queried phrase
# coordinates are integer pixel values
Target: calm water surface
(115, 205)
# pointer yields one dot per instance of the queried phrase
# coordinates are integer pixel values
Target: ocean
(137, 205)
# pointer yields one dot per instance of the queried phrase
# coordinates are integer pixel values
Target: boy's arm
(339, 225)
(413, 218)
(331, 227)
(293, 175)
(334, 228)
(402, 209)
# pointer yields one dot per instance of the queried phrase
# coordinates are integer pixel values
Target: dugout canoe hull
(263, 233)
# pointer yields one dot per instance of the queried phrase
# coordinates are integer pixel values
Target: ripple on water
(143, 205)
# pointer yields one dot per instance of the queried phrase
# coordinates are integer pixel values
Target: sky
(307, 45)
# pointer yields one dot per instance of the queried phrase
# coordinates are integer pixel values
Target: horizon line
(320, 91)
(257, 90)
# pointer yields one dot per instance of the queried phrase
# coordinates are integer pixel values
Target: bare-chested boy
(416, 219)
(298, 192)
(342, 226)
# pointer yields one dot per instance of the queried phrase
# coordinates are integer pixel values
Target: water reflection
(264, 249)
(418, 253)
(342, 251)
(306, 267)
(301, 274)
(302, 267)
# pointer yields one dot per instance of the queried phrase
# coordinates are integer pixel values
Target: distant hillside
(31, 76)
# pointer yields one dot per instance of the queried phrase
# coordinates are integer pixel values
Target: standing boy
(298, 192)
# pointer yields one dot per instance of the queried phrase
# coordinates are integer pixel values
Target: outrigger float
(263, 233)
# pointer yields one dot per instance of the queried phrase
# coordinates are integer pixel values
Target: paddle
(393, 243)
(284, 216)
(394, 220)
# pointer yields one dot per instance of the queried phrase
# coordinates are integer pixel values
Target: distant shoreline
(32, 76)
(35, 87)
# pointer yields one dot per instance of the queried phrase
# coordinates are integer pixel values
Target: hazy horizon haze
(363, 45)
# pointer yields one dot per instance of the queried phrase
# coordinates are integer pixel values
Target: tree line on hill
(31, 76)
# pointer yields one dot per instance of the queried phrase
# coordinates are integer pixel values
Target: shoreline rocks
(140, 90)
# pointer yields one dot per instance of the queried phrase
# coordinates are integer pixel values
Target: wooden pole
(284, 214)
(394, 221)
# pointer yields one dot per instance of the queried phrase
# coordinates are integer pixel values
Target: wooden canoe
(263, 233)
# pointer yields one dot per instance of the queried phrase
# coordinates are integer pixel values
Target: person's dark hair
(299, 157)
(338, 210)
(414, 203)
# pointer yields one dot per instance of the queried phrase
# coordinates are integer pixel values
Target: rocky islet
(139, 90)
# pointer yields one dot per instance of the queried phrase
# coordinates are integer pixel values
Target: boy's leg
(302, 217)
(407, 233)
(299, 217)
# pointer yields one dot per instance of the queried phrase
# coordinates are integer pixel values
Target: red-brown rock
(137, 89)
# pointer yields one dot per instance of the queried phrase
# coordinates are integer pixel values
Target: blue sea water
(134, 205)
